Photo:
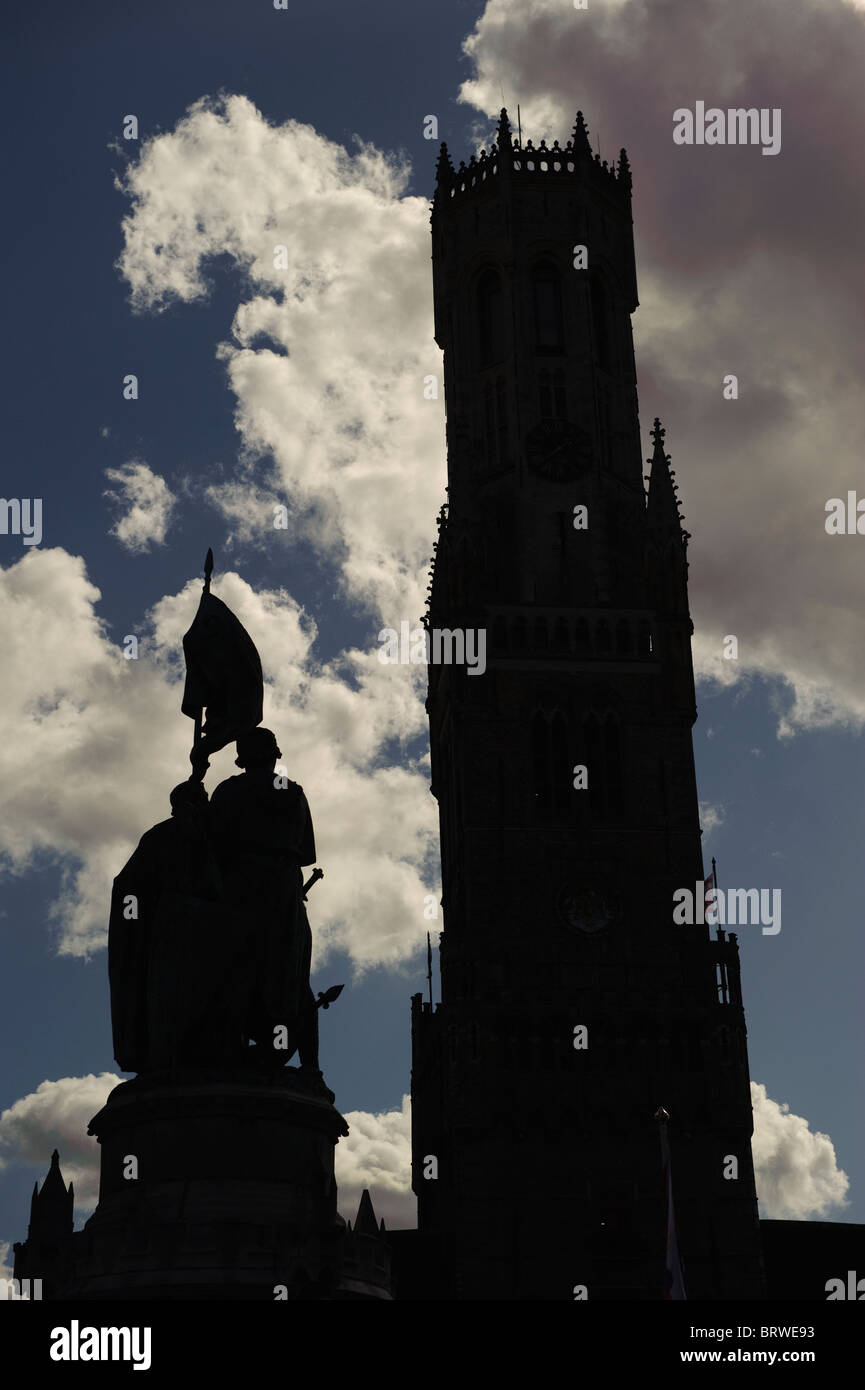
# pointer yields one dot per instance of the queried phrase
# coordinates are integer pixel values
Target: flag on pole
(710, 902)
(223, 673)
(674, 1283)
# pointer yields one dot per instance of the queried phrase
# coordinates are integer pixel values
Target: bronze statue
(209, 944)
(263, 829)
(165, 898)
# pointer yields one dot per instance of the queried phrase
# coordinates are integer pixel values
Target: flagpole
(673, 1277)
(195, 775)
(429, 968)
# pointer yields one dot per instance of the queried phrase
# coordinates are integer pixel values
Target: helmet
(185, 794)
(256, 747)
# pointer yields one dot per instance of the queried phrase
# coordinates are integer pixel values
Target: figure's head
(257, 748)
(187, 795)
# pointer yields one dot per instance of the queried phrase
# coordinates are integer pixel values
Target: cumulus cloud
(740, 271)
(330, 344)
(100, 741)
(711, 816)
(377, 1155)
(797, 1174)
(145, 503)
(327, 361)
(56, 1116)
(796, 1170)
(5, 1260)
(331, 340)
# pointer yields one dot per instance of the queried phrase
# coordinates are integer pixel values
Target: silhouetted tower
(558, 896)
(45, 1254)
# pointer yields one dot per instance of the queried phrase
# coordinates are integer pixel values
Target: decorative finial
(444, 167)
(624, 170)
(580, 136)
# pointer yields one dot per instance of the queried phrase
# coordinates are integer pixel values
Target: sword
(313, 879)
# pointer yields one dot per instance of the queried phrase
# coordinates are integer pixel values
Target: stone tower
(573, 1007)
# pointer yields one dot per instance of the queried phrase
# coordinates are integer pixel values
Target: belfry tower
(573, 1008)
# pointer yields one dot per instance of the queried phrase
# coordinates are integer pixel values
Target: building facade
(573, 1006)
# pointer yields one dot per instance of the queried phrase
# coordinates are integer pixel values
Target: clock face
(586, 909)
(558, 449)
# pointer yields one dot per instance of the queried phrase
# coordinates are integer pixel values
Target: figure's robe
(264, 836)
(169, 949)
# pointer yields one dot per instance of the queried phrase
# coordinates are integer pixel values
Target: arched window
(561, 775)
(594, 764)
(491, 318)
(547, 293)
(551, 764)
(501, 421)
(552, 396)
(540, 763)
(623, 637)
(495, 428)
(489, 425)
(614, 767)
(600, 322)
(604, 763)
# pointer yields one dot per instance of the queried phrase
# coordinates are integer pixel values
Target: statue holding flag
(223, 676)
(216, 952)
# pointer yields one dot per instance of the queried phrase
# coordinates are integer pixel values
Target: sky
(290, 385)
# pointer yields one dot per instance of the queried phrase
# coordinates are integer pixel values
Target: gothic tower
(573, 1007)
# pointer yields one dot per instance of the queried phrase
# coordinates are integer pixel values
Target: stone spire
(504, 136)
(580, 136)
(51, 1207)
(663, 504)
(444, 167)
(624, 170)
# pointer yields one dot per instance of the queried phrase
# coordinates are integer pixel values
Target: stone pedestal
(214, 1186)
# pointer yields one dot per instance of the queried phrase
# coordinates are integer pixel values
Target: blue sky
(736, 273)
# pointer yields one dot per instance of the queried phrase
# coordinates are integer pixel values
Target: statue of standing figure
(209, 941)
(209, 944)
(263, 832)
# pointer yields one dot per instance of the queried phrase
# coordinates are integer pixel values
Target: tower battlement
(508, 157)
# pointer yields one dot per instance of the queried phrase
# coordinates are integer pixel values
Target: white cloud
(359, 461)
(797, 1174)
(377, 1154)
(328, 356)
(100, 741)
(711, 816)
(796, 1170)
(722, 236)
(149, 502)
(56, 1116)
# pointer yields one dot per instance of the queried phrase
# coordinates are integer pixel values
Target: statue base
(214, 1185)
